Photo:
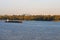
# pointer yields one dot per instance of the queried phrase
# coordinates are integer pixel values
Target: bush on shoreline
(31, 17)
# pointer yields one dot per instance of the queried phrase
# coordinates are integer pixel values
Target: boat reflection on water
(13, 21)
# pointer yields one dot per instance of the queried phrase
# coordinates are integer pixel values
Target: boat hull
(13, 21)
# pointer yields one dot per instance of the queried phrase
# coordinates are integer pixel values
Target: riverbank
(31, 17)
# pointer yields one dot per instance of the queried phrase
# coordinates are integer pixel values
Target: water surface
(30, 30)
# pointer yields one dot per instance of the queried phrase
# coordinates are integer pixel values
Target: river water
(30, 30)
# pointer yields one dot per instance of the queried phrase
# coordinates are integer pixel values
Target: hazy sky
(29, 7)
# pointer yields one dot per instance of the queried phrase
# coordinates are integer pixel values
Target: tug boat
(13, 21)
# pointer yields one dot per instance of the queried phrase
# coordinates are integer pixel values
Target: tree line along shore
(31, 17)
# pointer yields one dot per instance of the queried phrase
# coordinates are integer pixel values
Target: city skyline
(30, 7)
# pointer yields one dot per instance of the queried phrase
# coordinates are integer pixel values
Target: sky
(30, 7)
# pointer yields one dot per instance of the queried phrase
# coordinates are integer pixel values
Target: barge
(13, 21)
